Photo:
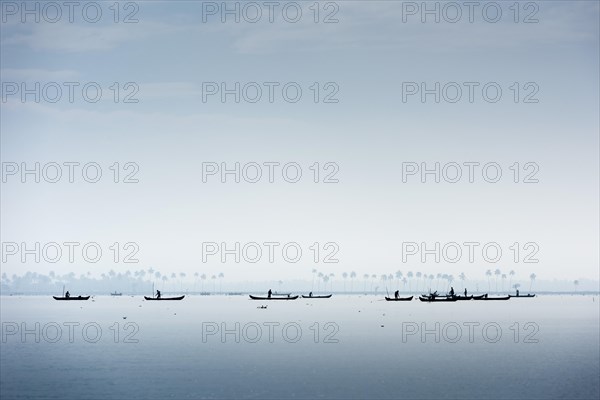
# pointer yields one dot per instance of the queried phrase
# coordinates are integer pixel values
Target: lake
(346, 347)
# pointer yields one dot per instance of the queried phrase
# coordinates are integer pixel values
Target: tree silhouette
(497, 273)
(488, 273)
(352, 276)
(532, 279)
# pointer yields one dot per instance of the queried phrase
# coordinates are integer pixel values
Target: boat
(494, 298)
(481, 296)
(521, 295)
(317, 297)
(399, 298)
(463, 297)
(71, 298)
(273, 298)
(164, 298)
(116, 294)
(433, 299)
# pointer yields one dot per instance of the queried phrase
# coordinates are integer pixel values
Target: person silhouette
(451, 291)
(269, 293)
(465, 292)
(158, 294)
(67, 295)
(517, 292)
(397, 294)
(310, 294)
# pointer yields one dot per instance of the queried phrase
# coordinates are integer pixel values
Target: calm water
(345, 347)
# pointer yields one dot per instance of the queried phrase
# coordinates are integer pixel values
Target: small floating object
(164, 298)
(124, 317)
(273, 298)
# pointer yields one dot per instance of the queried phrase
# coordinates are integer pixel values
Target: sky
(362, 68)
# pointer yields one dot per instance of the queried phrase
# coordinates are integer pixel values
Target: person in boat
(158, 294)
(310, 294)
(434, 294)
(396, 294)
(67, 295)
(269, 293)
(465, 292)
(517, 292)
(451, 291)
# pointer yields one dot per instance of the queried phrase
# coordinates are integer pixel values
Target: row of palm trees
(321, 281)
(421, 281)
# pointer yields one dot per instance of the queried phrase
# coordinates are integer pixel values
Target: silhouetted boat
(317, 297)
(522, 295)
(116, 294)
(399, 298)
(434, 299)
(71, 298)
(164, 298)
(273, 298)
(494, 298)
(464, 297)
(481, 296)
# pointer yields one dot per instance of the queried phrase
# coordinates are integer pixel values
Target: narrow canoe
(273, 298)
(399, 298)
(71, 298)
(317, 297)
(521, 295)
(433, 300)
(164, 298)
(494, 298)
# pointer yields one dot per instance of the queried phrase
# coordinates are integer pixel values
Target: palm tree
(409, 275)
(314, 273)
(331, 276)
(511, 274)
(418, 275)
(195, 280)
(404, 280)
(352, 276)
(384, 280)
(373, 277)
(366, 278)
(497, 272)
(431, 278)
(437, 282)
(202, 279)
(516, 286)
(345, 276)
(576, 283)
(398, 277)
(462, 278)
(488, 273)
(221, 276)
(214, 279)
(320, 276)
(503, 280)
(181, 278)
(532, 278)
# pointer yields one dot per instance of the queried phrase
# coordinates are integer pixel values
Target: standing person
(269, 293)
(397, 294)
(67, 295)
(465, 292)
(158, 294)
(451, 291)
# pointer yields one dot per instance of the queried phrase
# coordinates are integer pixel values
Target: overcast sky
(366, 61)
